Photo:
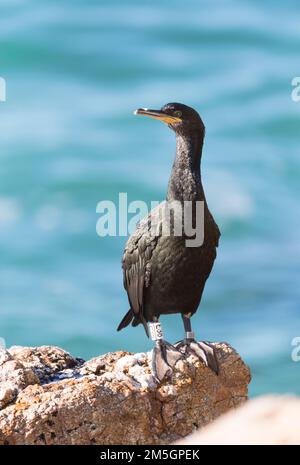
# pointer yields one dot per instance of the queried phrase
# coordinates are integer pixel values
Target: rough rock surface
(49, 397)
(267, 420)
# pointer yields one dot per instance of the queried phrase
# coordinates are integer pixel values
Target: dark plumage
(161, 274)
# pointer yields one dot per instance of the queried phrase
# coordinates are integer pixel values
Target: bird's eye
(178, 113)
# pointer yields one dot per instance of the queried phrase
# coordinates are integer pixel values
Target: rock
(45, 361)
(49, 397)
(267, 420)
(14, 377)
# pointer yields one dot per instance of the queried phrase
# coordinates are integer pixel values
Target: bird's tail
(126, 320)
(137, 320)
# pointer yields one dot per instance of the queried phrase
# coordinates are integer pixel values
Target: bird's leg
(203, 350)
(164, 355)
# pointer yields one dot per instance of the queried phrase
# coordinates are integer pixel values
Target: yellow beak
(158, 114)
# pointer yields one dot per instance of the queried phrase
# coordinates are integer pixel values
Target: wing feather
(136, 263)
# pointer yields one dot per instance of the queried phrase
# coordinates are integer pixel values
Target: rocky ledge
(49, 397)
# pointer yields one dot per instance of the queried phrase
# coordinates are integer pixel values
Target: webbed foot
(202, 350)
(164, 357)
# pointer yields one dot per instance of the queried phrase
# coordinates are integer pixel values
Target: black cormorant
(162, 275)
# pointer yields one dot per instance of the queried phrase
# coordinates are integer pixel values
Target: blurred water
(68, 139)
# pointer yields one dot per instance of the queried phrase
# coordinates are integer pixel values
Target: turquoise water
(75, 71)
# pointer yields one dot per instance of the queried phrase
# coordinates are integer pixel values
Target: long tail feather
(144, 322)
(126, 320)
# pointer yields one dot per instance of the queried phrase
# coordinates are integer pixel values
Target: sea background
(75, 72)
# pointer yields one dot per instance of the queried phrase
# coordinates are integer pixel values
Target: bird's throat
(185, 181)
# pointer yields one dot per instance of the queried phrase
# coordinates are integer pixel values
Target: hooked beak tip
(140, 111)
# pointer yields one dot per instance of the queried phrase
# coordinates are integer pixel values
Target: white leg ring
(155, 331)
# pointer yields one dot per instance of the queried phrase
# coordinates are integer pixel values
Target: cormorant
(162, 275)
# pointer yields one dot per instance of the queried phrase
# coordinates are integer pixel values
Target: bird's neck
(185, 181)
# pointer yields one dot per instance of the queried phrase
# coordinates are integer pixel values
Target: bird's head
(177, 116)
